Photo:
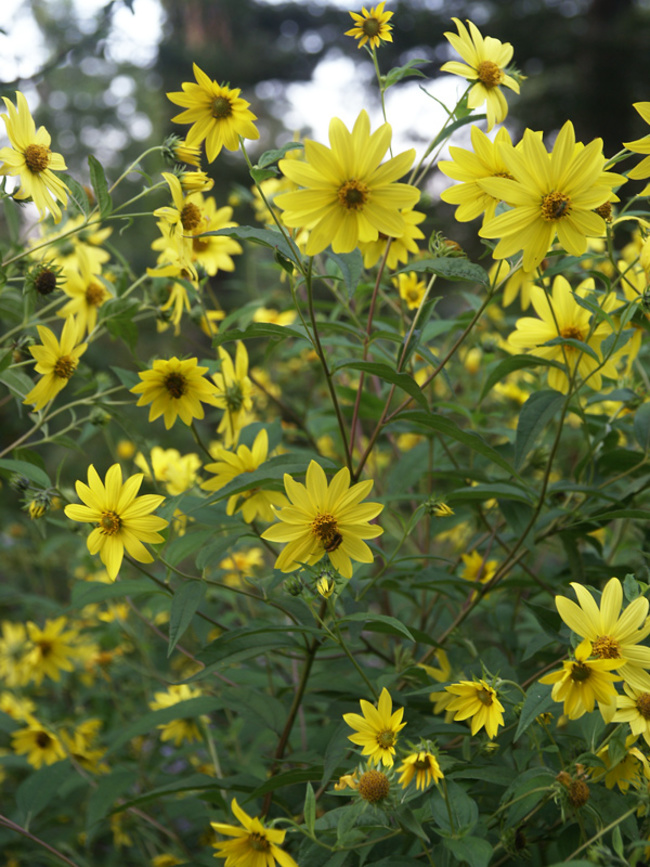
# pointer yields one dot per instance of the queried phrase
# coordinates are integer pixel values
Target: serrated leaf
(538, 700)
(451, 268)
(185, 603)
(384, 371)
(100, 186)
(535, 414)
(25, 468)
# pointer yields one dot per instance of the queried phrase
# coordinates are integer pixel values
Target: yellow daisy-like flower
(231, 465)
(80, 746)
(62, 246)
(51, 649)
(14, 647)
(178, 472)
(562, 316)
(233, 393)
(477, 569)
(634, 708)
(516, 283)
(422, 765)
(377, 730)
(486, 59)
(214, 252)
(86, 292)
(56, 360)
(348, 197)
(641, 146)
(613, 634)
(254, 844)
(178, 730)
(582, 682)
(554, 194)
(31, 159)
(479, 701)
(122, 519)
(411, 289)
(633, 769)
(38, 744)
(175, 388)
(400, 245)
(217, 114)
(323, 520)
(371, 26)
(241, 565)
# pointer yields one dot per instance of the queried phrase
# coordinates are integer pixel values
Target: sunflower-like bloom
(178, 472)
(400, 245)
(581, 682)
(477, 568)
(376, 731)
(479, 701)
(613, 634)
(38, 744)
(641, 146)
(178, 730)
(122, 519)
(422, 765)
(56, 360)
(323, 520)
(254, 844)
(232, 465)
(86, 291)
(485, 61)
(411, 289)
(233, 393)
(371, 26)
(634, 708)
(214, 252)
(348, 197)
(562, 316)
(31, 159)
(175, 388)
(217, 114)
(52, 649)
(552, 195)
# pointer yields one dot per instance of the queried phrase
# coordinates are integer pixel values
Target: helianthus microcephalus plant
(376, 731)
(177, 730)
(175, 387)
(349, 197)
(562, 316)
(52, 649)
(634, 708)
(122, 519)
(582, 681)
(56, 361)
(641, 146)
(400, 245)
(217, 113)
(325, 519)
(478, 701)
(233, 393)
(486, 59)
(254, 844)
(86, 291)
(38, 744)
(422, 765)
(31, 159)
(411, 290)
(371, 26)
(613, 634)
(552, 195)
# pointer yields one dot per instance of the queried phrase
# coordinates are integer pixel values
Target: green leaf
(30, 471)
(91, 592)
(259, 175)
(272, 156)
(77, 193)
(109, 789)
(289, 778)
(492, 489)
(189, 709)
(249, 641)
(18, 383)
(397, 73)
(379, 623)
(474, 851)
(309, 810)
(186, 545)
(642, 426)
(351, 267)
(407, 820)
(580, 345)
(128, 378)
(39, 789)
(535, 414)
(184, 606)
(501, 369)
(258, 329)
(384, 371)
(631, 588)
(265, 237)
(98, 180)
(538, 700)
(451, 268)
(463, 810)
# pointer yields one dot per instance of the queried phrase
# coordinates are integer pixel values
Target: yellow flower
(16, 707)
(38, 744)
(400, 245)
(552, 195)
(634, 708)
(632, 769)
(56, 360)
(325, 586)
(233, 393)
(217, 114)
(51, 649)
(348, 197)
(14, 647)
(325, 520)
(86, 291)
(122, 519)
(241, 565)
(518, 283)
(478, 700)
(377, 730)
(477, 569)
(582, 682)
(274, 317)
(214, 252)
(31, 159)
(178, 730)
(178, 472)
(485, 61)
(254, 844)
(422, 765)
(641, 146)
(63, 245)
(411, 290)
(175, 388)
(81, 747)
(371, 26)
(613, 635)
(234, 465)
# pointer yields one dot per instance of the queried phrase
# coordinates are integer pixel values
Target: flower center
(571, 332)
(371, 27)
(234, 397)
(325, 528)
(190, 216)
(176, 384)
(421, 764)
(605, 211)
(374, 786)
(109, 523)
(95, 294)
(221, 107)
(413, 294)
(65, 366)
(643, 705)
(555, 206)
(485, 697)
(353, 195)
(606, 647)
(386, 739)
(37, 157)
(258, 842)
(43, 740)
(45, 648)
(580, 672)
(46, 282)
(489, 73)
